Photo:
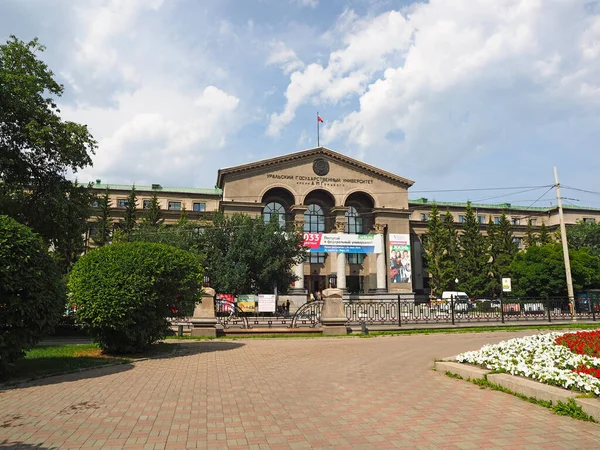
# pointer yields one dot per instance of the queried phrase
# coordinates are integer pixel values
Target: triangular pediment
(313, 153)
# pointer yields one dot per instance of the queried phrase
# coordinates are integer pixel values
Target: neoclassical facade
(364, 233)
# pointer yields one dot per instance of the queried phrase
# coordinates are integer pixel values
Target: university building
(364, 233)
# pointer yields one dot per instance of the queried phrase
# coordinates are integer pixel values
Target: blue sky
(465, 94)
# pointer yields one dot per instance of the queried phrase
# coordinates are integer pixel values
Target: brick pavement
(285, 394)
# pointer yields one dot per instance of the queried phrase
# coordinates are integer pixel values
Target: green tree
(32, 291)
(473, 266)
(103, 223)
(502, 250)
(531, 238)
(450, 243)
(544, 237)
(37, 149)
(125, 292)
(244, 255)
(540, 271)
(129, 221)
(434, 251)
(183, 217)
(584, 234)
(152, 217)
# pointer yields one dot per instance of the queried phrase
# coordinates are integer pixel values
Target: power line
(507, 195)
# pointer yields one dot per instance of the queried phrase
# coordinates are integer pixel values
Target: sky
(459, 96)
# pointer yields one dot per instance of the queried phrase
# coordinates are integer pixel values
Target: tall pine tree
(473, 267)
(129, 221)
(103, 222)
(544, 237)
(531, 239)
(502, 249)
(152, 217)
(434, 251)
(452, 252)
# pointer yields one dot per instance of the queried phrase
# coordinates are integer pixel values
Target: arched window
(314, 222)
(354, 222)
(354, 225)
(274, 209)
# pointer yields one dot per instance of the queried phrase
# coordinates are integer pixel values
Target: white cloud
(453, 78)
(284, 57)
(307, 3)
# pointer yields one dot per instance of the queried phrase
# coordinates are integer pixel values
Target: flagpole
(318, 136)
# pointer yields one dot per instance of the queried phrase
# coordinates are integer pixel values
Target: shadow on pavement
(180, 349)
(6, 445)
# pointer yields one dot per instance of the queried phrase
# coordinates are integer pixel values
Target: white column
(341, 270)
(381, 266)
(299, 272)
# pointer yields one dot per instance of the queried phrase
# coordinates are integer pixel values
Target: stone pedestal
(204, 321)
(333, 316)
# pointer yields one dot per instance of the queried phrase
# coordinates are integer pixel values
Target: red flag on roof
(319, 119)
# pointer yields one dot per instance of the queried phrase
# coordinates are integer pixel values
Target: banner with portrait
(400, 258)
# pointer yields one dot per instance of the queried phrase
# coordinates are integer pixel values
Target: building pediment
(321, 158)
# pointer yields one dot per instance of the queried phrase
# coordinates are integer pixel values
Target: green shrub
(124, 292)
(32, 291)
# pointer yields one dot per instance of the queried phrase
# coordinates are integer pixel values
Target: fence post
(399, 312)
(591, 303)
(501, 307)
(452, 307)
(548, 306)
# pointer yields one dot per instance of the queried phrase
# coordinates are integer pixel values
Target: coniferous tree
(183, 217)
(544, 237)
(152, 217)
(130, 216)
(473, 267)
(103, 222)
(502, 248)
(434, 251)
(531, 238)
(452, 252)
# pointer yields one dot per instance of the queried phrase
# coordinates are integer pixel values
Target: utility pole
(563, 238)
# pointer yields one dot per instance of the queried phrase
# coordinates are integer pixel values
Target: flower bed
(545, 358)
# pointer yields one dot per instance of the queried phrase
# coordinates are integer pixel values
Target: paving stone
(286, 393)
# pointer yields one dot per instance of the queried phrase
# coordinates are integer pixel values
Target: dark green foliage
(245, 255)
(451, 257)
(473, 265)
(32, 292)
(124, 292)
(540, 271)
(103, 222)
(152, 217)
(531, 238)
(37, 149)
(129, 222)
(544, 237)
(434, 250)
(502, 250)
(584, 234)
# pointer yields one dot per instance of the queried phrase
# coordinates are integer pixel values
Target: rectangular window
(121, 203)
(355, 258)
(461, 219)
(481, 219)
(589, 220)
(516, 221)
(199, 207)
(147, 204)
(424, 217)
(496, 220)
(519, 242)
(317, 258)
(96, 203)
(174, 206)
(533, 222)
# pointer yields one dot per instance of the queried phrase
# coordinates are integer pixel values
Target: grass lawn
(46, 360)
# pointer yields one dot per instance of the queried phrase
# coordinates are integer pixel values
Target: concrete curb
(523, 386)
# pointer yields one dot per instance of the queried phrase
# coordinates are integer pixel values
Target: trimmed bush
(125, 292)
(32, 291)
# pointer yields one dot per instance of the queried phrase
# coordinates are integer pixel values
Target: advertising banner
(400, 260)
(346, 243)
(266, 303)
(247, 303)
(225, 302)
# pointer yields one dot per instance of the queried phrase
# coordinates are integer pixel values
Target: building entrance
(315, 283)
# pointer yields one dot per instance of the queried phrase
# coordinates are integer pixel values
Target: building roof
(499, 206)
(174, 190)
(317, 151)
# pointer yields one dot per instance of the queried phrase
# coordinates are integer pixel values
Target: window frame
(169, 202)
(203, 209)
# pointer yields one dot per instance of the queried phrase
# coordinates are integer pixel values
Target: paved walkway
(285, 394)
